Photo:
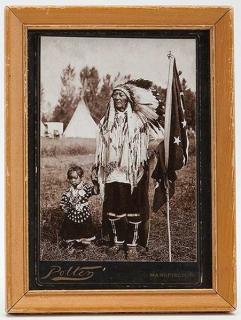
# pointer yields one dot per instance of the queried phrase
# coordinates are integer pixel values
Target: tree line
(96, 93)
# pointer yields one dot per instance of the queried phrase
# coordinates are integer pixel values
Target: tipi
(81, 124)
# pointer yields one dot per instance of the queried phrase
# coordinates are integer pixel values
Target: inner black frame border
(203, 266)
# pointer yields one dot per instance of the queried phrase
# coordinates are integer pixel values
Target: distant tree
(94, 91)
(43, 118)
(46, 114)
(42, 100)
(103, 98)
(69, 97)
(189, 101)
(190, 104)
(89, 79)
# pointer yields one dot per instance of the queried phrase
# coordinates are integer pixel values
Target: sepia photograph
(118, 149)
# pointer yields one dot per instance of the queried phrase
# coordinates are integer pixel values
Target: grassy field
(66, 146)
(58, 155)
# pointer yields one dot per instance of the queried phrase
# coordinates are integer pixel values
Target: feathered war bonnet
(144, 100)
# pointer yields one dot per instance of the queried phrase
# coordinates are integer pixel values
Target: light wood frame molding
(222, 297)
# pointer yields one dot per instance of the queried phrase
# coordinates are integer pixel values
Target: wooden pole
(168, 222)
(168, 113)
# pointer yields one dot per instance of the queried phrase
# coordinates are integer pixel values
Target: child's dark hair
(77, 169)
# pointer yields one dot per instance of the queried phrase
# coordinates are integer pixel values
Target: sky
(141, 58)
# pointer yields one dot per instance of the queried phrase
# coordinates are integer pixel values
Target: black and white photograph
(118, 149)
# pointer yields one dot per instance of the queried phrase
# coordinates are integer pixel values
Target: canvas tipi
(81, 124)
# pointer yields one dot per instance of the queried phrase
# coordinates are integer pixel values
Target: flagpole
(168, 109)
(166, 144)
(168, 224)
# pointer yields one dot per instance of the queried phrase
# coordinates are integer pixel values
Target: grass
(66, 146)
(54, 166)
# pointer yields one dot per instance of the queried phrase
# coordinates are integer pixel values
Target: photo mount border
(222, 297)
(182, 274)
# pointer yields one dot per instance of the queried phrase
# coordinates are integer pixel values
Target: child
(77, 225)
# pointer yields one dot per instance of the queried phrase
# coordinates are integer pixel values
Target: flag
(173, 152)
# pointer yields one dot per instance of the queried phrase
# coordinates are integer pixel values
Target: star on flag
(177, 140)
(184, 123)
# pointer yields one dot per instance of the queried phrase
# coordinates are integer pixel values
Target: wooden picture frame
(222, 296)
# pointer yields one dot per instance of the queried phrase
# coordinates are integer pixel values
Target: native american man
(127, 132)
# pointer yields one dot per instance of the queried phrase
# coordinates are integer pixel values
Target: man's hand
(94, 174)
(96, 188)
